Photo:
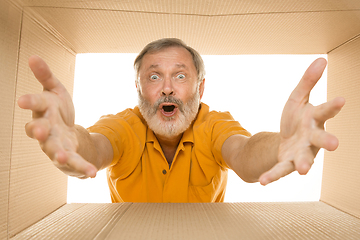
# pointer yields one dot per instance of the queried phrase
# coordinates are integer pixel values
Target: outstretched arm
(66, 144)
(266, 157)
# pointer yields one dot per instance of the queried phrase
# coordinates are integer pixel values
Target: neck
(169, 142)
(169, 146)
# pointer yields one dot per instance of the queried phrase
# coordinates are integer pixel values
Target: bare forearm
(257, 156)
(87, 148)
(95, 148)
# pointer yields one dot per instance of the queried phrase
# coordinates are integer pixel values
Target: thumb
(280, 170)
(309, 80)
(43, 73)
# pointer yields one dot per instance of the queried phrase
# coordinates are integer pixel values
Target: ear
(137, 85)
(201, 88)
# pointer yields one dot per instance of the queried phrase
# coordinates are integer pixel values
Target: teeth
(169, 108)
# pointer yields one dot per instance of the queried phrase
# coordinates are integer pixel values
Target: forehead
(170, 56)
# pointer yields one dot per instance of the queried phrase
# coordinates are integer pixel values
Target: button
(164, 171)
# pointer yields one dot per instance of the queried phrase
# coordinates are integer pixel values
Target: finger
(38, 129)
(280, 170)
(67, 161)
(34, 102)
(76, 165)
(51, 147)
(43, 73)
(304, 160)
(329, 109)
(308, 81)
(323, 139)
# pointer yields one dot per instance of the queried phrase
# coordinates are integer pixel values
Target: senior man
(171, 148)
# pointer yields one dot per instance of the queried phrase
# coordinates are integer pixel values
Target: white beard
(168, 126)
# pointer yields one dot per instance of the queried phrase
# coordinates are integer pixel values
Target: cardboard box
(33, 191)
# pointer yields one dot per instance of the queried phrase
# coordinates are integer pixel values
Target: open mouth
(168, 109)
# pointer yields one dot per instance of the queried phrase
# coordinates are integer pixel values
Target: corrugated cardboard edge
(302, 220)
(341, 178)
(70, 48)
(291, 31)
(57, 38)
(47, 192)
(10, 26)
(202, 7)
(76, 221)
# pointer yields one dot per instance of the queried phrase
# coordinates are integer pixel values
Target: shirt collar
(188, 135)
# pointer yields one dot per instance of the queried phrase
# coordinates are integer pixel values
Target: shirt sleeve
(223, 127)
(111, 127)
(125, 133)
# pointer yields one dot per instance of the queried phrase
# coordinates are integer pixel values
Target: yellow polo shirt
(139, 171)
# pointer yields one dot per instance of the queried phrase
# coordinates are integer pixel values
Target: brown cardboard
(36, 188)
(202, 7)
(75, 221)
(293, 32)
(307, 220)
(10, 25)
(32, 189)
(341, 178)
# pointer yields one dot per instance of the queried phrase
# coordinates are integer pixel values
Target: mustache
(169, 99)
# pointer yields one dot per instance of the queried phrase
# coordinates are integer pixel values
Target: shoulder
(129, 117)
(124, 130)
(127, 124)
(217, 125)
(211, 118)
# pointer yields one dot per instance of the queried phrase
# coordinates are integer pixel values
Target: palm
(53, 120)
(296, 130)
(302, 127)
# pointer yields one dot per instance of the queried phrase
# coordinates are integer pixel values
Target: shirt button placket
(165, 187)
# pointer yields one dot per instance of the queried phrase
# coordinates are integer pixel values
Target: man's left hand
(302, 127)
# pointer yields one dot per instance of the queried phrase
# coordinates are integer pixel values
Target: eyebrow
(178, 65)
(181, 65)
(153, 66)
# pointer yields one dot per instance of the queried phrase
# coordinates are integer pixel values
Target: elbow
(247, 177)
(250, 179)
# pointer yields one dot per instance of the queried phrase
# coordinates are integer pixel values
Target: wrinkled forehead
(178, 56)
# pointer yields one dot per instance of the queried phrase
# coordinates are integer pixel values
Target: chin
(168, 127)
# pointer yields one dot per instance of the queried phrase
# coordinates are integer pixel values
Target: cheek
(190, 92)
(150, 93)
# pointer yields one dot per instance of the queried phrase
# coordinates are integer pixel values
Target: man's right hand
(53, 122)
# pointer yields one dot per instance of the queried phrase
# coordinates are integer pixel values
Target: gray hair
(163, 43)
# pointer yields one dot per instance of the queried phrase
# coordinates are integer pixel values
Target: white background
(253, 88)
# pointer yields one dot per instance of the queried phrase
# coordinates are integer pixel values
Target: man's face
(169, 93)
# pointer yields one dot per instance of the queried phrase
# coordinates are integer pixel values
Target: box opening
(261, 83)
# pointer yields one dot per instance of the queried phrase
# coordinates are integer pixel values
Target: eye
(154, 77)
(181, 76)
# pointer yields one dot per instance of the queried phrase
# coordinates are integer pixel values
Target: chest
(186, 162)
(169, 154)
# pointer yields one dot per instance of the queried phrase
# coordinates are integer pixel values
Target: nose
(167, 89)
